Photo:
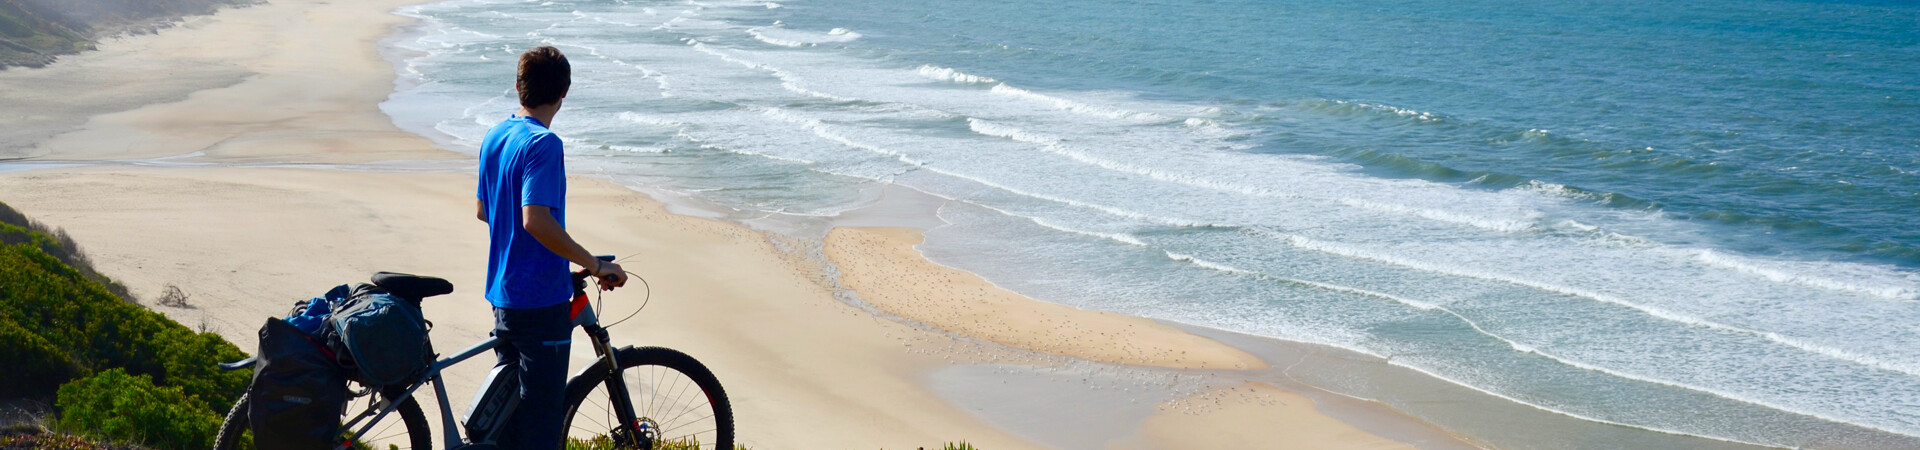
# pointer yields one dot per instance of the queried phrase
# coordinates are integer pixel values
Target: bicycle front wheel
(236, 433)
(677, 405)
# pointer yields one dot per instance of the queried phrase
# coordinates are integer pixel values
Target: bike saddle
(411, 286)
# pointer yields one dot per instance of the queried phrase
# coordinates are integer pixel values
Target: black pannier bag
(381, 336)
(298, 392)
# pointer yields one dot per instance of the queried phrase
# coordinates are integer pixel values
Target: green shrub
(115, 405)
(54, 242)
(97, 330)
(35, 367)
(141, 376)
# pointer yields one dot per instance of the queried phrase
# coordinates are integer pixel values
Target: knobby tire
(409, 412)
(662, 361)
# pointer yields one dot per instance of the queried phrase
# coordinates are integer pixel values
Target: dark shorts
(538, 340)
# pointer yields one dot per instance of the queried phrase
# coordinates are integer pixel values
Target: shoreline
(293, 102)
(885, 267)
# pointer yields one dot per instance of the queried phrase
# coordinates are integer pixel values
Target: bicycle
(669, 419)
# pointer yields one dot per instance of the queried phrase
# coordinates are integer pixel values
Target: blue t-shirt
(521, 164)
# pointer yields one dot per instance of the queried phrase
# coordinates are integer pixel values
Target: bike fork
(617, 390)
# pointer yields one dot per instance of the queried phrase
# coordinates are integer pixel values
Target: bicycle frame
(584, 318)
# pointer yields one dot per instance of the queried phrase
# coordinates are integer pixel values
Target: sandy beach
(207, 178)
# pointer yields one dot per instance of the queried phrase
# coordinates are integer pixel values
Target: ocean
(1691, 219)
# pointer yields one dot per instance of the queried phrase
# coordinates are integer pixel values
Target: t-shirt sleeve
(545, 181)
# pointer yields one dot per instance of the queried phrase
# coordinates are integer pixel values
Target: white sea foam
(643, 119)
(1422, 116)
(1654, 311)
(946, 74)
(788, 80)
(789, 38)
(1883, 285)
(1554, 190)
(1359, 253)
(825, 131)
(1579, 226)
(1560, 411)
(1339, 105)
(1486, 223)
(1077, 107)
(1054, 145)
(1427, 306)
(1049, 224)
(633, 149)
(762, 37)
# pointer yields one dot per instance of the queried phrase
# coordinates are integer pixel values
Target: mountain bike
(648, 398)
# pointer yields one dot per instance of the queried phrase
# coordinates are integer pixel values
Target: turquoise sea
(1677, 218)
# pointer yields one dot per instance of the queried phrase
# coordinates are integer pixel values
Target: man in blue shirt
(523, 198)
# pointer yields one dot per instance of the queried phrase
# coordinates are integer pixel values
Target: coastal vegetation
(34, 32)
(112, 369)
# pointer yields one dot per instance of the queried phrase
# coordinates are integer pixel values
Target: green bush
(54, 242)
(118, 406)
(35, 367)
(97, 330)
(141, 376)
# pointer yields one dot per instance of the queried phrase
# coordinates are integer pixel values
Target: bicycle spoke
(664, 431)
(652, 395)
(612, 420)
(603, 405)
(383, 437)
(601, 424)
(682, 391)
(678, 390)
(676, 419)
(706, 432)
(653, 390)
(676, 405)
(590, 431)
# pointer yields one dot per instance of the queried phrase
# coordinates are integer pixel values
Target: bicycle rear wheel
(676, 401)
(410, 430)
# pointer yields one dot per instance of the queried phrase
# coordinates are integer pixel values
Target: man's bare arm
(480, 210)
(538, 220)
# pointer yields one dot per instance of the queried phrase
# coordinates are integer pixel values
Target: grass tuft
(603, 442)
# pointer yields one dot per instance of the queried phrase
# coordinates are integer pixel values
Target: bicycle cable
(599, 303)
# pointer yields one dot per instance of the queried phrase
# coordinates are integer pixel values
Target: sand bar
(890, 274)
(1252, 408)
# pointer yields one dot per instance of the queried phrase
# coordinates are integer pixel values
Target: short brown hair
(544, 76)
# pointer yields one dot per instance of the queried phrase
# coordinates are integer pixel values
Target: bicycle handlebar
(580, 276)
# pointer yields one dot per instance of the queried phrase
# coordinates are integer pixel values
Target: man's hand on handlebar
(609, 275)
